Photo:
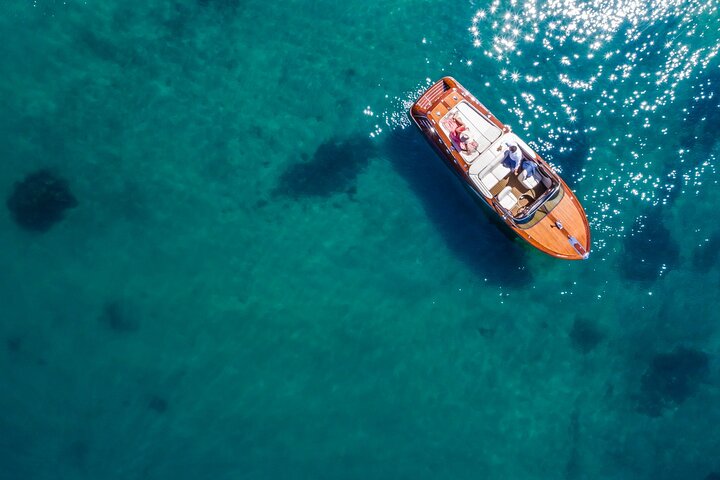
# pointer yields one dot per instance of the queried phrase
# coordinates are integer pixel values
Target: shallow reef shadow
(585, 335)
(116, 316)
(473, 233)
(76, 454)
(157, 404)
(14, 343)
(40, 200)
(223, 5)
(651, 247)
(671, 378)
(332, 169)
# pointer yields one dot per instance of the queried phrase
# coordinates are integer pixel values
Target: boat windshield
(532, 214)
(541, 208)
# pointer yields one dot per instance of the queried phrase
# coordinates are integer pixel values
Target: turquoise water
(258, 270)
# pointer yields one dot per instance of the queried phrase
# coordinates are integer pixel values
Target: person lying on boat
(454, 124)
(466, 143)
(459, 135)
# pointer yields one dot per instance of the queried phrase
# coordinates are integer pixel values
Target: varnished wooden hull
(563, 230)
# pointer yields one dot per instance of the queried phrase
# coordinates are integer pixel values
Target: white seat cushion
(507, 199)
(487, 129)
(474, 133)
(480, 163)
(530, 181)
(500, 171)
(469, 157)
(479, 128)
(489, 180)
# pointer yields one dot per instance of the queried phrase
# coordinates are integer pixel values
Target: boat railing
(424, 122)
(432, 94)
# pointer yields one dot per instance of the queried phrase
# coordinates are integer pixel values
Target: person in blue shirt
(514, 159)
(513, 155)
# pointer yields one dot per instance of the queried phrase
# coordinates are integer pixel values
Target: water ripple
(609, 71)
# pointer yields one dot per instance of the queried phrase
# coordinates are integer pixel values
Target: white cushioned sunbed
(479, 129)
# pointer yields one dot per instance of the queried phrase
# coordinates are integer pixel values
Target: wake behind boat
(502, 170)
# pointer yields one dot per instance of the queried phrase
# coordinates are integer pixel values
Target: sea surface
(226, 254)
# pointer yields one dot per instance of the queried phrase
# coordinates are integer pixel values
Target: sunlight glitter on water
(577, 33)
(395, 115)
(597, 84)
(615, 61)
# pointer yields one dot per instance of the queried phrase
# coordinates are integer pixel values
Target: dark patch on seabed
(649, 250)
(157, 404)
(40, 200)
(486, 332)
(105, 48)
(77, 453)
(585, 335)
(117, 317)
(13, 344)
(221, 4)
(475, 235)
(333, 169)
(671, 378)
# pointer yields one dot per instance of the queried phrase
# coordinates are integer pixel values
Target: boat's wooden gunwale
(545, 235)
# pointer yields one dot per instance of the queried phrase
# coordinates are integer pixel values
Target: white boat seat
(469, 157)
(529, 181)
(483, 161)
(493, 177)
(480, 129)
(489, 180)
(488, 130)
(500, 171)
(507, 198)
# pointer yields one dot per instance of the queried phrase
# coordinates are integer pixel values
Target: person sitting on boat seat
(531, 175)
(512, 155)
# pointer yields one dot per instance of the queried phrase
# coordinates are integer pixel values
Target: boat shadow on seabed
(471, 232)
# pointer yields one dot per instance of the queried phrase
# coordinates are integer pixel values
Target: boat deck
(570, 214)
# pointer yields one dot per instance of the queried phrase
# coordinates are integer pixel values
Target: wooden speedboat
(535, 202)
